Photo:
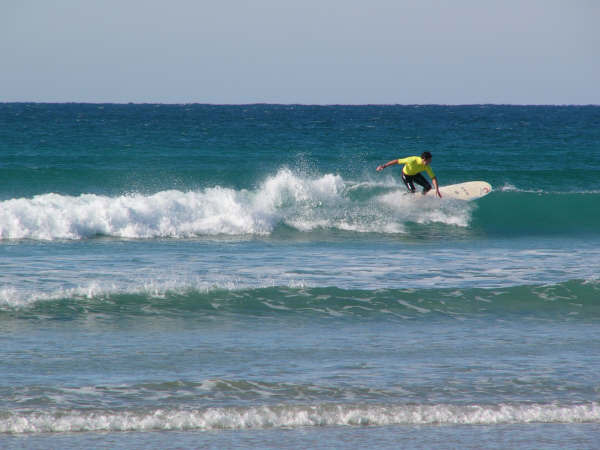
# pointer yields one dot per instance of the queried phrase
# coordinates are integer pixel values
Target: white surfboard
(464, 191)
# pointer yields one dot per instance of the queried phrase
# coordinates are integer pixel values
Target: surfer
(411, 172)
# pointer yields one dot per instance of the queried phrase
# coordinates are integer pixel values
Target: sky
(301, 51)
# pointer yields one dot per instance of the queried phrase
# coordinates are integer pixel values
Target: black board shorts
(410, 180)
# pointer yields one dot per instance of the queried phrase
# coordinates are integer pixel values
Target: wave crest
(573, 300)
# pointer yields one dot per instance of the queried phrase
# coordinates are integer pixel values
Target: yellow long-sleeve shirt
(414, 164)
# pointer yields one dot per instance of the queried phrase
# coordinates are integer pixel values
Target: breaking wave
(295, 416)
(286, 199)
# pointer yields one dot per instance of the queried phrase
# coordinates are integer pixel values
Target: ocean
(205, 276)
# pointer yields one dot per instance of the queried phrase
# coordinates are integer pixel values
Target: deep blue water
(241, 276)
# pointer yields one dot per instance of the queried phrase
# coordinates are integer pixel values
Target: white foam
(303, 202)
(17, 299)
(295, 416)
(508, 187)
(425, 209)
(416, 308)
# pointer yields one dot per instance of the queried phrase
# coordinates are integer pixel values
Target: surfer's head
(426, 157)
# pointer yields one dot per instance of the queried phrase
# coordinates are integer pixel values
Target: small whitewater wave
(286, 199)
(570, 300)
(294, 416)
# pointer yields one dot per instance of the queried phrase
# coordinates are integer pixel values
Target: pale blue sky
(305, 51)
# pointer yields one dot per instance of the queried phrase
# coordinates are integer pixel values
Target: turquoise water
(241, 276)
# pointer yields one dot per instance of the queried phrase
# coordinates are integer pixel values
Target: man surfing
(411, 172)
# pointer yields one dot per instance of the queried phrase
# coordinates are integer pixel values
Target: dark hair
(426, 155)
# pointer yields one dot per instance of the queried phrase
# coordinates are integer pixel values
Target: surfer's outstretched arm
(387, 164)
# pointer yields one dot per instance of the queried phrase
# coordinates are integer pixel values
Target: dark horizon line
(287, 104)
